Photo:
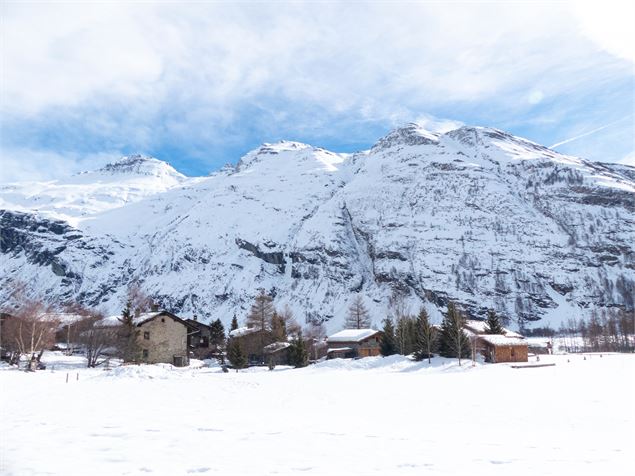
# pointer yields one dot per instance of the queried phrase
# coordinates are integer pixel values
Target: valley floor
(373, 416)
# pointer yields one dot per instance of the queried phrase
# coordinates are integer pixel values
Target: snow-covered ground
(372, 416)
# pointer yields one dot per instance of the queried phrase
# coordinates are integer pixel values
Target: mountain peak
(271, 149)
(138, 164)
(411, 134)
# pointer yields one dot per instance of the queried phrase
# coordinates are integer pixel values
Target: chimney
(137, 312)
(154, 307)
(195, 318)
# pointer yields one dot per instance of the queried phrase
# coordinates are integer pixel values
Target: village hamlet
(270, 337)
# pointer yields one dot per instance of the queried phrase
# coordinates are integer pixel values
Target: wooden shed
(500, 348)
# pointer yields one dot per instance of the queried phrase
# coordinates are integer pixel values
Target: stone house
(161, 337)
(354, 343)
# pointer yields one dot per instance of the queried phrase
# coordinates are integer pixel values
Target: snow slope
(370, 416)
(475, 215)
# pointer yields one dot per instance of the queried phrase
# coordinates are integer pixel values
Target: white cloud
(360, 57)
(188, 71)
(435, 124)
(37, 165)
(609, 24)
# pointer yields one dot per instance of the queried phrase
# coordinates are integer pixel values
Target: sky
(198, 84)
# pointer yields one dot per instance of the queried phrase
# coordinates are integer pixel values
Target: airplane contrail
(587, 133)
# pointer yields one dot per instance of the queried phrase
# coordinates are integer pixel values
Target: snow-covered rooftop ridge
(480, 327)
(242, 331)
(352, 335)
(276, 346)
(116, 320)
(497, 339)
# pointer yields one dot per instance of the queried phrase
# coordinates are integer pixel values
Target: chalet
(496, 348)
(161, 337)
(252, 341)
(199, 340)
(278, 353)
(353, 343)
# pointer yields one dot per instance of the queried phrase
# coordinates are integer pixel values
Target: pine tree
(127, 338)
(387, 345)
(493, 324)
(278, 328)
(298, 354)
(425, 336)
(358, 317)
(235, 354)
(454, 342)
(217, 337)
(234, 324)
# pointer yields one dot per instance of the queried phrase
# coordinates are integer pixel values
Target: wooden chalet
(497, 348)
(354, 343)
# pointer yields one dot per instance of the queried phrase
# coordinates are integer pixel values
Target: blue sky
(200, 84)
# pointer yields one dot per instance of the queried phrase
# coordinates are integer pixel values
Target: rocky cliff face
(475, 215)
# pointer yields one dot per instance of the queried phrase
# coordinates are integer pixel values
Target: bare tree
(261, 311)
(260, 316)
(29, 331)
(96, 339)
(358, 317)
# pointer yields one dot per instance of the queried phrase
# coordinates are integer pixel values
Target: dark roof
(198, 324)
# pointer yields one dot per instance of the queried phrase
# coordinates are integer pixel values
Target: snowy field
(373, 416)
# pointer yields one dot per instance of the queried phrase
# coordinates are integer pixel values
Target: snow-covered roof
(64, 318)
(339, 349)
(109, 321)
(497, 339)
(242, 331)
(112, 321)
(276, 346)
(480, 327)
(352, 335)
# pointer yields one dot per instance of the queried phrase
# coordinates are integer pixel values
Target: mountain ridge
(474, 214)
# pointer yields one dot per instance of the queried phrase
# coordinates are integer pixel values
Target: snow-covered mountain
(475, 214)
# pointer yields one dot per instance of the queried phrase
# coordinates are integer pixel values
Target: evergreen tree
(235, 354)
(387, 345)
(234, 324)
(405, 335)
(493, 324)
(278, 328)
(454, 342)
(217, 338)
(127, 336)
(298, 354)
(358, 317)
(425, 336)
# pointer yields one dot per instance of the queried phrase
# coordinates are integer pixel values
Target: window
(146, 335)
(163, 319)
(145, 353)
(512, 351)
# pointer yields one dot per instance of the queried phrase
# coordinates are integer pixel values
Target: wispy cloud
(206, 81)
(591, 132)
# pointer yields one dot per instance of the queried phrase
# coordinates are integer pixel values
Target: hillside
(475, 214)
